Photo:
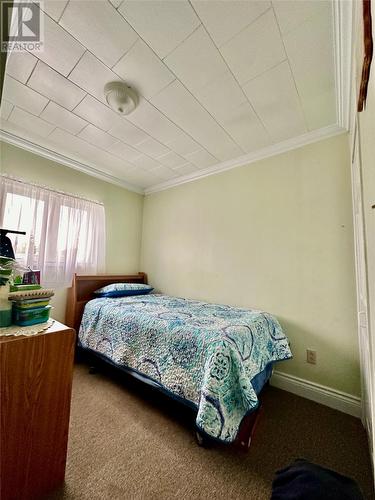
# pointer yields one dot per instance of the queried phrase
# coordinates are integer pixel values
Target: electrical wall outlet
(311, 356)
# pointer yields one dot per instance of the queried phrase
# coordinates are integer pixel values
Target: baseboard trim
(347, 403)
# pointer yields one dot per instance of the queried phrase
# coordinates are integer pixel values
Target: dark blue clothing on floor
(303, 480)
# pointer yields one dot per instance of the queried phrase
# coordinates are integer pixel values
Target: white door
(362, 286)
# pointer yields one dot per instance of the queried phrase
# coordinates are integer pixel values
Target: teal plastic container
(28, 317)
(5, 306)
(5, 317)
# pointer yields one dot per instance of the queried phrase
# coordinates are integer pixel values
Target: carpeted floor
(129, 442)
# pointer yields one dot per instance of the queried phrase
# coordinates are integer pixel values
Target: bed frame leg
(245, 433)
(245, 445)
(201, 440)
(247, 429)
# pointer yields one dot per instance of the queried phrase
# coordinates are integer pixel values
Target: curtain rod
(47, 188)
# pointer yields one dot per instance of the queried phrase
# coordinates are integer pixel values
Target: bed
(214, 358)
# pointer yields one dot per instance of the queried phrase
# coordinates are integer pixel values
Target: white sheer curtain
(64, 234)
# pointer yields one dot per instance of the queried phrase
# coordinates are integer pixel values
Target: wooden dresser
(35, 391)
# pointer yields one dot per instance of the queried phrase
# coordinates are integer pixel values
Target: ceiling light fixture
(120, 97)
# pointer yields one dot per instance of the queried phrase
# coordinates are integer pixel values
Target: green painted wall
(123, 208)
(275, 235)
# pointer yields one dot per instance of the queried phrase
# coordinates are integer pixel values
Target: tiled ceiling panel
(163, 24)
(27, 120)
(23, 96)
(291, 14)
(255, 49)
(97, 137)
(127, 132)
(216, 80)
(91, 75)
(152, 148)
(5, 109)
(96, 113)
(61, 51)
(99, 28)
(178, 103)
(196, 61)
(172, 160)
(245, 127)
(154, 123)
(224, 20)
(311, 64)
(125, 151)
(143, 70)
(20, 65)
(83, 149)
(54, 8)
(275, 100)
(54, 86)
(61, 117)
(211, 95)
(183, 144)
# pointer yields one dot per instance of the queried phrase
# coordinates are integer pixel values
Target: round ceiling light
(120, 97)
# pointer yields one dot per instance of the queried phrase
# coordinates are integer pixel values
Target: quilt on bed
(204, 353)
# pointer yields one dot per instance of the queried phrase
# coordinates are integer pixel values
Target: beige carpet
(126, 442)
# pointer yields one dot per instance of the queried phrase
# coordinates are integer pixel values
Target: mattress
(214, 357)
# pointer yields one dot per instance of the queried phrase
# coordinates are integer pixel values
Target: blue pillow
(123, 290)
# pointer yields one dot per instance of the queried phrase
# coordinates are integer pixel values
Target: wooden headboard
(83, 288)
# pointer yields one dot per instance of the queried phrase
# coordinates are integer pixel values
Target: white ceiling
(217, 80)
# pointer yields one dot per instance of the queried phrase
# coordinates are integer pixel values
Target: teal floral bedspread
(206, 354)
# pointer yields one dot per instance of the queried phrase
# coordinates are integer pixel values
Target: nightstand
(35, 391)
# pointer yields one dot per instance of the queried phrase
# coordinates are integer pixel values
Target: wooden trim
(83, 288)
(368, 50)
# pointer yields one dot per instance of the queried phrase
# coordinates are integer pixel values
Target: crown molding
(343, 29)
(64, 160)
(261, 154)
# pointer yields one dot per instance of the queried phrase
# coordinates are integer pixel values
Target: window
(64, 234)
(19, 213)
